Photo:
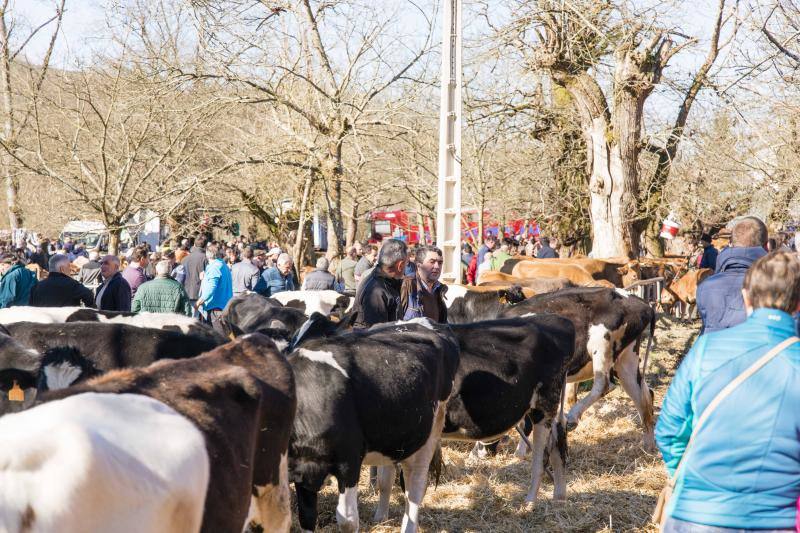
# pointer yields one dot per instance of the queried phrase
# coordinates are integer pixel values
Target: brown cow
(610, 269)
(241, 396)
(534, 269)
(681, 295)
(499, 280)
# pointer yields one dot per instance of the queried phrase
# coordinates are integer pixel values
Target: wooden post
(448, 205)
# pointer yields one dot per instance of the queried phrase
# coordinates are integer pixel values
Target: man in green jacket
(162, 295)
(16, 283)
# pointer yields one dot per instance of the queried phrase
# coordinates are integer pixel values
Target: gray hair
(283, 259)
(323, 263)
(54, 265)
(423, 251)
(162, 268)
(215, 251)
(392, 251)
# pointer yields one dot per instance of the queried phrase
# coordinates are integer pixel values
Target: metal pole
(448, 205)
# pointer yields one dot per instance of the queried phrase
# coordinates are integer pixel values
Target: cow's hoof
(380, 517)
(521, 451)
(571, 424)
(479, 451)
(560, 495)
(528, 505)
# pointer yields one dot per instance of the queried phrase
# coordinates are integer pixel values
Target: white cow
(59, 315)
(101, 462)
(315, 301)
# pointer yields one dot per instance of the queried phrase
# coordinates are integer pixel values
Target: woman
(742, 471)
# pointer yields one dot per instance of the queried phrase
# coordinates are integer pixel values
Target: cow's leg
(386, 475)
(306, 506)
(571, 394)
(540, 434)
(269, 505)
(627, 367)
(599, 345)
(347, 509)
(527, 428)
(557, 450)
(415, 471)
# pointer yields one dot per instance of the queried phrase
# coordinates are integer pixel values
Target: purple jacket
(134, 275)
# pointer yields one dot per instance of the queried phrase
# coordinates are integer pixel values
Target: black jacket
(117, 297)
(193, 265)
(377, 299)
(59, 290)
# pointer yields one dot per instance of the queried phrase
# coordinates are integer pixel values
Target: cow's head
(62, 367)
(512, 295)
(19, 367)
(630, 272)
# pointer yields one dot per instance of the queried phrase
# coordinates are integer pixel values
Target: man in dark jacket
(17, 281)
(719, 297)
(114, 293)
(193, 265)
(378, 294)
(245, 274)
(59, 289)
(710, 254)
(319, 279)
(90, 272)
(422, 295)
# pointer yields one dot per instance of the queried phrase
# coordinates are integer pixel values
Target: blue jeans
(673, 525)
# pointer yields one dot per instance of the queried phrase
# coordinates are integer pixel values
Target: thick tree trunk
(297, 252)
(113, 240)
(352, 226)
(12, 187)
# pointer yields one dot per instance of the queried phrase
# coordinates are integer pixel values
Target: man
(545, 252)
(319, 279)
(366, 262)
(345, 273)
(16, 283)
(359, 249)
(59, 289)
(216, 288)
(193, 266)
(272, 257)
(422, 295)
(245, 273)
(489, 244)
(114, 293)
(719, 297)
(134, 274)
(710, 254)
(278, 278)
(89, 274)
(740, 472)
(182, 252)
(162, 295)
(500, 256)
(378, 296)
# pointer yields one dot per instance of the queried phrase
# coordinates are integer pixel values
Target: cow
(375, 397)
(609, 324)
(105, 346)
(19, 371)
(614, 272)
(508, 368)
(60, 315)
(241, 397)
(328, 303)
(102, 462)
(681, 294)
(250, 312)
(499, 280)
(464, 302)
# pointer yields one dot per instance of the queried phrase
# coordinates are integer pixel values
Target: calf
(247, 313)
(328, 303)
(105, 346)
(375, 397)
(608, 326)
(241, 397)
(681, 294)
(466, 305)
(102, 462)
(507, 369)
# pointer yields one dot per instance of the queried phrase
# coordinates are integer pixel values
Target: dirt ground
(612, 482)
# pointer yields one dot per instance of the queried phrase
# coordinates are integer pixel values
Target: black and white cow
(509, 368)
(609, 325)
(251, 312)
(241, 398)
(375, 397)
(60, 315)
(328, 303)
(466, 305)
(103, 346)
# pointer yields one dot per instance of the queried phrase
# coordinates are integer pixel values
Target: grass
(612, 482)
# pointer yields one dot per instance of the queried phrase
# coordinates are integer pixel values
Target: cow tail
(649, 346)
(561, 429)
(437, 465)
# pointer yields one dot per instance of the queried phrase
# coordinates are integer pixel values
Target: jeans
(673, 525)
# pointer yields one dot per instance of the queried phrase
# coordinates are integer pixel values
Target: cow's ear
(623, 270)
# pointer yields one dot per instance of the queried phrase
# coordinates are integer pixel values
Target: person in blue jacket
(742, 471)
(278, 278)
(719, 298)
(216, 288)
(16, 283)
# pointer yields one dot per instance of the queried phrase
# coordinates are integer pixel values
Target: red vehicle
(404, 225)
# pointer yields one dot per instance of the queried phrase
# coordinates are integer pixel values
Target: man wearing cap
(59, 289)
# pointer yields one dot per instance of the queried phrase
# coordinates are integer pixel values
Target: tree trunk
(12, 187)
(113, 240)
(352, 226)
(297, 254)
